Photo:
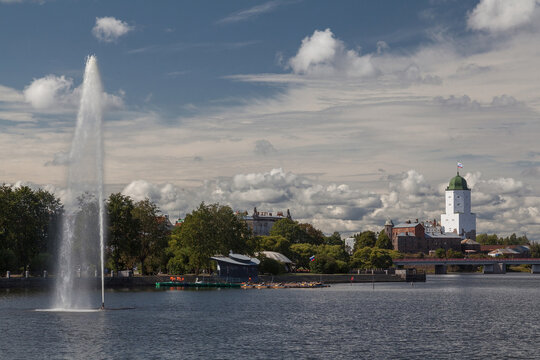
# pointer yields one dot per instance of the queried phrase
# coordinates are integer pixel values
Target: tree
(210, 230)
(28, 220)
(310, 234)
(365, 239)
(383, 241)
(123, 231)
(152, 234)
(290, 230)
(300, 254)
(535, 250)
(334, 239)
(274, 243)
(372, 258)
(440, 253)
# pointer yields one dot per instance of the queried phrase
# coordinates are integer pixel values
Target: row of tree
(29, 225)
(493, 239)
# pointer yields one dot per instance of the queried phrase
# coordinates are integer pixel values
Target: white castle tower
(458, 218)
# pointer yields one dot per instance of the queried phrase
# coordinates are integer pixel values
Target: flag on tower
(460, 165)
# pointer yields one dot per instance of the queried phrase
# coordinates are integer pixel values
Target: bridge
(491, 265)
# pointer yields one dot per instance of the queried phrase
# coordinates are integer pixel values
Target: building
(458, 218)
(237, 268)
(261, 222)
(412, 237)
(287, 263)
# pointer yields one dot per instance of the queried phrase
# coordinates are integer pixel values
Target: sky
(347, 113)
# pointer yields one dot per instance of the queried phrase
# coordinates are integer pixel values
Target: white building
(458, 218)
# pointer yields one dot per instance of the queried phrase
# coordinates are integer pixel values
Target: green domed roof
(457, 183)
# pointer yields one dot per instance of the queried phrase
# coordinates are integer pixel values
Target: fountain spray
(84, 191)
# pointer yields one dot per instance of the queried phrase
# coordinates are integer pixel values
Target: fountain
(83, 221)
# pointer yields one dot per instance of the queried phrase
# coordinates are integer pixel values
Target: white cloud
(48, 92)
(109, 29)
(339, 207)
(323, 54)
(250, 13)
(501, 15)
(57, 94)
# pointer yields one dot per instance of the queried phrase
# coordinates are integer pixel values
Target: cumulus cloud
(48, 91)
(501, 15)
(264, 147)
(109, 29)
(323, 54)
(56, 93)
(457, 102)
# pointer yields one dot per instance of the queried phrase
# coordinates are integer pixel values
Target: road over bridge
(491, 265)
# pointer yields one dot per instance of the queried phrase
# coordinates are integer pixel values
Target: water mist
(83, 229)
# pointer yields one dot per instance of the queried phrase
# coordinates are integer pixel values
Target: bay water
(447, 317)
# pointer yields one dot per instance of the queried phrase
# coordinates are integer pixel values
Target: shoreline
(151, 280)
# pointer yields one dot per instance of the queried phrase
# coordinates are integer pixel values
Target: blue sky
(346, 112)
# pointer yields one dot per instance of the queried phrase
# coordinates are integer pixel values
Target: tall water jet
(84, 216)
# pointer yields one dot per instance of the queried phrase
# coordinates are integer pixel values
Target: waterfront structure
(237, 267)
(289, 265)
(458, 218)
(412, 237)
(470, 246)
(261, 222)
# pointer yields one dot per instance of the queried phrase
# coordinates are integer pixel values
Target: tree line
(138, 237)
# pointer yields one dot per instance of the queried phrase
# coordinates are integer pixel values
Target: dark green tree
(383, 241)
(210, 230)
(300, 254)
(274, 243)
(123, 232)
(365, 239)
(152, 236)
(334, 239)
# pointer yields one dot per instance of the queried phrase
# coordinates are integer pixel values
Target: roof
(237, 259)
(276, 256)
(388, 223)
(457, 183)
(469, 242)
(407, 225)
(442, 236)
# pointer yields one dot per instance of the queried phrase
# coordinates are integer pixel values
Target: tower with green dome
(458, 218)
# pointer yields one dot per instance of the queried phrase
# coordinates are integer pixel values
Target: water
(83, 222)
(448, 317)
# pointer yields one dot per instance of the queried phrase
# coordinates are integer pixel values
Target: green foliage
(324, 264)
(334, 239)
(453, 254)
(383, 241)
(271, 266)
(275, 243)
(210, 230)
(123, 229)
(372, 258)
(300, 254)
(297, 233)
(493, 239)
(535, 250)
(40, 262)
(440, 253)
(29, 223)
(8, 260)
(364, 239)
(151, 238)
